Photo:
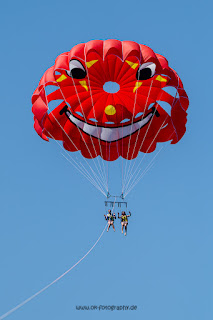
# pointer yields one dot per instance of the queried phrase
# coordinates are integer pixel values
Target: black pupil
(144, 74)
(78, 73)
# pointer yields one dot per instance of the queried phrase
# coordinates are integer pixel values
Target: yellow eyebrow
(90, 63)
(132, 64)
(137, 85)
(61, 78)
(84, 84)
(161, 79)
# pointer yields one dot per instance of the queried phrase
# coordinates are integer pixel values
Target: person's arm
(105, 217)
(129, 215)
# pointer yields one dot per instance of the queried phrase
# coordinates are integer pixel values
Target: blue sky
(51, 216)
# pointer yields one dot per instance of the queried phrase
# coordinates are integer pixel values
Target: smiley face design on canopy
(122, 123)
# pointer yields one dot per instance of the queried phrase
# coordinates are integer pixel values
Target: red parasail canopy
(123, 123)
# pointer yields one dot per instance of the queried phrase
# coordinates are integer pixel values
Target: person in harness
(124, 221)
(110, 217)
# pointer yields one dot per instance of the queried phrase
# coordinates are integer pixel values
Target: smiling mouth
(109, 134)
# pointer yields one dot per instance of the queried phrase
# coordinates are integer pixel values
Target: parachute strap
(118, 203)
(111, 196)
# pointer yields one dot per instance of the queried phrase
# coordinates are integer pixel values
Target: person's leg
(125, 229)
(108, 226)
(113, 226)
(122, 227)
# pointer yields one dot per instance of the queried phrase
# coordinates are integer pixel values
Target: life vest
(110, 217)
(124, 218)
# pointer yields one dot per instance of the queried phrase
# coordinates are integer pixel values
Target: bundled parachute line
(53, 282)
(106, 125)
(134, 180)
(120, 203)
(80, 167)
(95, 178)
(58, 278)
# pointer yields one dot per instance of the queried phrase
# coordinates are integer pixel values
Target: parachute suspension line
(93, 183)
(82, 169)
(153, 138)
(81, 134)
(107, 170)
(143, 118)
(114, 204)
(75, 147)
(129, 173)
(157, 134)
(101, 171)
(130, 134)
(82, 110)
(72, 144)
(149, 166)
(122, 169)
(104, 171)
(145, 155)
(107, 176)
(77, 166)
(53, 282)
(109, 146)
(143, 173)
(148, 150)
(122, 144)
(82, 137)
(130, 165)
(113, 207)
(122, 150)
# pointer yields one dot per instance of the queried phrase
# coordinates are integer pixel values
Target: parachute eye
(146, 71)
(77, 70)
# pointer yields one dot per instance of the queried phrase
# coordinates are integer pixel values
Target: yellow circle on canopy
(110, 110)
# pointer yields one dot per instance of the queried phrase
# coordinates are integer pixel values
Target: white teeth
(78, 122)
(94, 131)
(172, 91)
(109, 134)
